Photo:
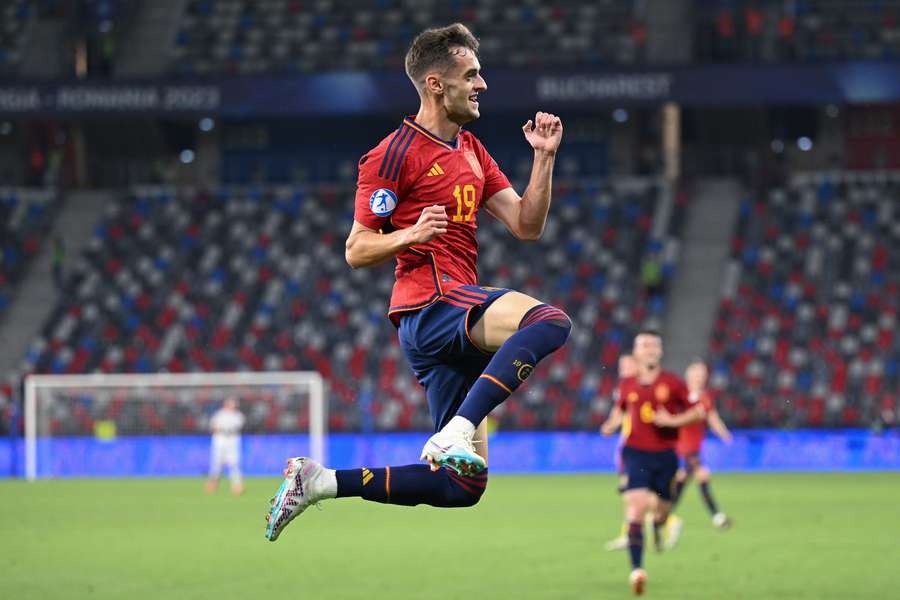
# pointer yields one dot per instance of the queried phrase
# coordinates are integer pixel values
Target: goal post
(101, 406)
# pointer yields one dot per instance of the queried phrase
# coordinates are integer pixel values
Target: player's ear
(434, 84)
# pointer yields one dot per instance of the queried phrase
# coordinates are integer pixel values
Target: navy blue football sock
(657, 533)
(542, 330)
(635, 543)
(410, 485)
(707, 497)
(676, 493)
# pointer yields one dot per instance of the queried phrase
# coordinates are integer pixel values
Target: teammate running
(656, 403)
(690, 443)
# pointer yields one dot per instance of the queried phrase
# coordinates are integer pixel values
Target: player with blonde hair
(690, 443)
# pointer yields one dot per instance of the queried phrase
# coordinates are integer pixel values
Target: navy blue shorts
(654, 471)
(442, 356)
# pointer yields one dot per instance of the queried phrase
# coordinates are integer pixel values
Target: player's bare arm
(663, 418)
(526, 215)
(367, 247)
(718, 426)
(525, 218)
(613, 422)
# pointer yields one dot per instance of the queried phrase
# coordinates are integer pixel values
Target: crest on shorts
(662, 392)
(473, 162)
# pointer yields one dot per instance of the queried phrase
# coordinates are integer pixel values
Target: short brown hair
(431, 50)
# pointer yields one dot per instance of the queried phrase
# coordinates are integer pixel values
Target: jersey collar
(410, 121)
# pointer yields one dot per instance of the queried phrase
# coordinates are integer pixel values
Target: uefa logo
(382, 202)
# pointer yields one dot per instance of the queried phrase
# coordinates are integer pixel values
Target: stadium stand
(244, 37)
(15, 18)
(248, 37)
(248, 277)
(797, 30)
(26, 215)
(806, 330)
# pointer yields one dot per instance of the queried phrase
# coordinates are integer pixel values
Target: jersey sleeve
(377, 187)
(494, 179)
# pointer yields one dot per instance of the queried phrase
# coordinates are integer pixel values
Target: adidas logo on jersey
(435, 170)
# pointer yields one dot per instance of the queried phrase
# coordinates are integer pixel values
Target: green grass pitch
(796, 536)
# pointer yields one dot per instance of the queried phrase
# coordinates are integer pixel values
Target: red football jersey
(410, 170)
(640, 403)
(690, 437)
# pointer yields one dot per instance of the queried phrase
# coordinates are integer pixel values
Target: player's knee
(560, 326)
(702, 474)
(636, 504)
(464, 492)
(564, 323)
(690, 467)
(636, 513)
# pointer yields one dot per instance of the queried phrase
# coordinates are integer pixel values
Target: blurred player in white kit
(226, 424)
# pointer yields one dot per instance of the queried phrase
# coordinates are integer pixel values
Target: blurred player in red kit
(656, 404)
(690, 442)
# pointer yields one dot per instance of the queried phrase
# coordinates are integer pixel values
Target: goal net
(149, 425)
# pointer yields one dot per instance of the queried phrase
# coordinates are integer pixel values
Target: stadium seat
(224, 36)
(26, 215)
(786, 31)
(15, 16)
(795, 328)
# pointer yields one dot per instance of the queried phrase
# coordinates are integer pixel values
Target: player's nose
(480, 84)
